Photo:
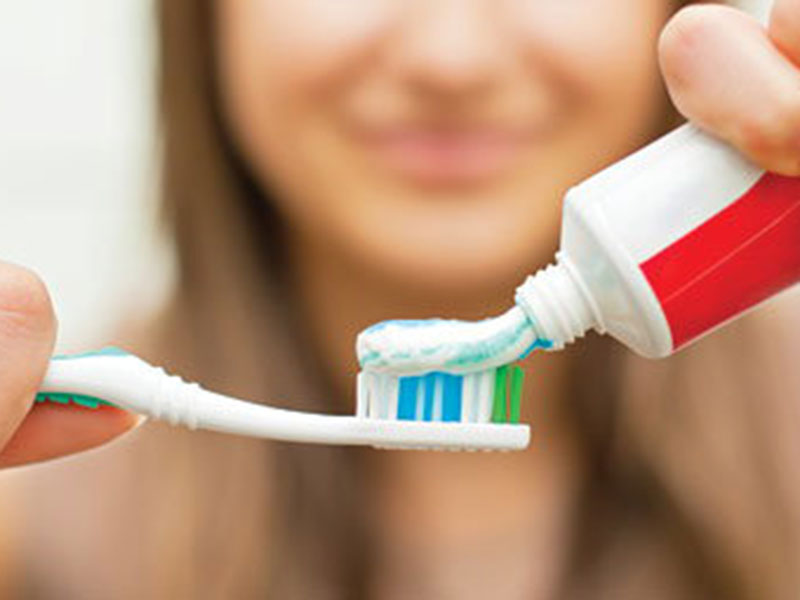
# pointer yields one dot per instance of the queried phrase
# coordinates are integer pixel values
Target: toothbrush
(446, 370)
(458, 412)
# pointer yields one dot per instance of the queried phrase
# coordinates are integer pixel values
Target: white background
(77, 157)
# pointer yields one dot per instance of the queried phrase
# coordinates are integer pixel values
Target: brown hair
(233, 300)
(683, 494)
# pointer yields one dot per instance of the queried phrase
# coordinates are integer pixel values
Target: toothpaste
(409, 347)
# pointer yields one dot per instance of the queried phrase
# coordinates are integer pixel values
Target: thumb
(27, 333)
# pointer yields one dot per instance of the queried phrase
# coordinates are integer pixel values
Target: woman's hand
(740, 82)
(27, 332)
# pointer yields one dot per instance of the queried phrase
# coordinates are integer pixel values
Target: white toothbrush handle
(134, 385)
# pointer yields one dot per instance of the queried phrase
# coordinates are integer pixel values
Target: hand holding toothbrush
(27, 333)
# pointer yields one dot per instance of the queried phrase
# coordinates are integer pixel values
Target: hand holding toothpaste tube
(739, 80)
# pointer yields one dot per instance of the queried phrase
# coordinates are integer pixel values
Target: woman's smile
(446, 156)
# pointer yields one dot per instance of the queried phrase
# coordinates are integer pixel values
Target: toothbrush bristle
(79, 399)
(492, 396)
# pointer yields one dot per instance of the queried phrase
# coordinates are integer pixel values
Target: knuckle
(773, 137)
(758, 133)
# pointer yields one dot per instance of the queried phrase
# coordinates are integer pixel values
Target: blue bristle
(435, 396)
(451, 402)
(430, 390)
(407, 398)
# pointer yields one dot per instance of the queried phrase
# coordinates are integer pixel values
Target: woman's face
(429, 142)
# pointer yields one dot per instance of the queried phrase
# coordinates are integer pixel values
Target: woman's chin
(447, 243)
(457, 269)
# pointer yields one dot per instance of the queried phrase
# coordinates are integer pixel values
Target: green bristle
(517, 378)
(58, 398)
(79, 399)
(499, 402)
(86, 401)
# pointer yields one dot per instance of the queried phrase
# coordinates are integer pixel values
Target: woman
(329, 165)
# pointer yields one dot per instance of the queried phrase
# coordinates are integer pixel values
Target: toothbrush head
(452, 381)
(440, 410)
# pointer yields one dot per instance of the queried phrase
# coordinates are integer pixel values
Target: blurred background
(78, 158)
(79, 182)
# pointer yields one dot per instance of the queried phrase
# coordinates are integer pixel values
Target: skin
(338, 95)
(314, 95)
(27, 334)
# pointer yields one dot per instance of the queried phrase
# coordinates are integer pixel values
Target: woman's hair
(231, 326)
(681, 492)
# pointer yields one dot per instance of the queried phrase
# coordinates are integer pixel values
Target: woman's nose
(451, 47)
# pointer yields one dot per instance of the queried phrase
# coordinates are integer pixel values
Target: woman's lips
(446, 157)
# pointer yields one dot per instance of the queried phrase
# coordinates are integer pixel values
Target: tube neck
(557, 303)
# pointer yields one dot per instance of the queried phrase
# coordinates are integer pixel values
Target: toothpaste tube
(666, 245)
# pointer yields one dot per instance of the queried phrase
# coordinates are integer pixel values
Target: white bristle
(438, 400)
(373, 392)
(419, 406)
(391, 390)
(485, 395)
(469, 398)
(362, 391)
(379, 397)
